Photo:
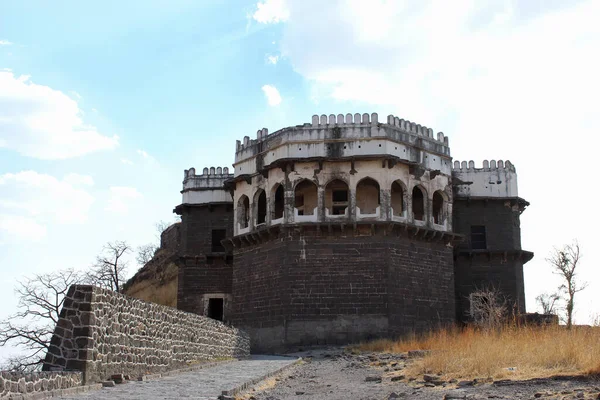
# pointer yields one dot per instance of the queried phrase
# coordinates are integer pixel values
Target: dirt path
(332, 374)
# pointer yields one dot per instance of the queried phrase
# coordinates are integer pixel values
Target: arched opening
(243, 210)
(278, 205)
(418, 204)
(437, 208)
(305, 197)
(336, 197)
(260, 201)
(368, 196)
(398, 199)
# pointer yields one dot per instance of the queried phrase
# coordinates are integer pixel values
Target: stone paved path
(204, 384)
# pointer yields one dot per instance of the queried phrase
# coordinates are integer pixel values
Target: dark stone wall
(499, 266)
(500, 218)
(102, 333)
(201, 270)
(308, 286)
(420, 285)
(170, 238)
(480, 271)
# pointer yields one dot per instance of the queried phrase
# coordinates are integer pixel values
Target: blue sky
(103, 105)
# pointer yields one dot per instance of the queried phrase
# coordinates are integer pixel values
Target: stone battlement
(463, 166)
(495, 179)
(206, 188)
(348, 120)
(340, 137)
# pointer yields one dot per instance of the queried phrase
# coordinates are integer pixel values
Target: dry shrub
(532, 351)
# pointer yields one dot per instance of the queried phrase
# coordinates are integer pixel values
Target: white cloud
(143, 153)
(21, 228)
(121, 198)
(146, 156)
(29, 201)
(38, 121)
(126, 161)
(5, 43)
(272, 59)
(272, 95)
(79, 180)
(498, 77)
(271, 11)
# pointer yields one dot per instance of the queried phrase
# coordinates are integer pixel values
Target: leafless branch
(109, 269)
(38, 309)
(548, 302)
(488, 308)
(564, 262)
(145, 253)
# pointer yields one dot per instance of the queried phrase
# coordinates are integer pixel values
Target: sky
(104, 104)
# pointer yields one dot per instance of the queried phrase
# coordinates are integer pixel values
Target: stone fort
(347, 229)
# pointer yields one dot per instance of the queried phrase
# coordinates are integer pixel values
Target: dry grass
(470, 353)
(266, 384)
(157, 289)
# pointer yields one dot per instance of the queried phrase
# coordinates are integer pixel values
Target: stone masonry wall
(203, 271)
(13, 384)
(170, 238)
(499, 265)
(312, 286)
(102, 333)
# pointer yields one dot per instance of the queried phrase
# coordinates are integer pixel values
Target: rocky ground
(334, 374)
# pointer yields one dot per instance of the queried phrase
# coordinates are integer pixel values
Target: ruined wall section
(170, 238)
(102, 333)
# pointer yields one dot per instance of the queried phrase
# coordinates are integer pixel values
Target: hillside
(157, 280)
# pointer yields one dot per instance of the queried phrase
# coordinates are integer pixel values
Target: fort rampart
(102, 333)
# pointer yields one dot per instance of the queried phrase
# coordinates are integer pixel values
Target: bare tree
(161, 226)
(564, 262)
(488, 308)
(30, 328)
(548, 302)
(109, 269)
(145, 253)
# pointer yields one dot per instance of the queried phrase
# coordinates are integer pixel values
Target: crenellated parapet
(349, 136)
(493, 179)
(207, 187)
(465, 166)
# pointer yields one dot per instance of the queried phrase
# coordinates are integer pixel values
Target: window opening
(478, 237)
(368, 196)
(418, 204)
(337, 197)
(305, 197)
(217, 236)
(437, 206)
(397, 199)
(261, 214)
(243, 211)
(279, 201)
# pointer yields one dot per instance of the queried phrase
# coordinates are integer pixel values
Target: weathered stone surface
(133, 337)
(340, 286)
(14, 384)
